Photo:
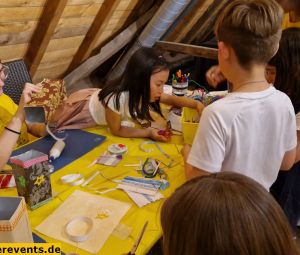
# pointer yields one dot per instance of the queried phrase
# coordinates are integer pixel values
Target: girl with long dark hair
(125, 103)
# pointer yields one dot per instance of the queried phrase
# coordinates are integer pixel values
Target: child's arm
(190, 171)
(114, 123)
(214, 76)
(10, 135)
(288, 159)
(181, 102)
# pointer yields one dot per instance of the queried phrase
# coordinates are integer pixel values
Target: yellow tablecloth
(135, 217)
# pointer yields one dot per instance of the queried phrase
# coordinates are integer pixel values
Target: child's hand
(214, 76)
(166, 133)
(27, 93)
(200, 107)
(25, 98)
(158, 136)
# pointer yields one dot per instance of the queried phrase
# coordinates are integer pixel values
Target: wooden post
(97, 27)
(193, 50)
(39, 41)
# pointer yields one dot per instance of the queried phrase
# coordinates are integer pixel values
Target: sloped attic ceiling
(56, 36)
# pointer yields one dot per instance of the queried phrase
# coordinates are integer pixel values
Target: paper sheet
(81, 203)
(143, 199)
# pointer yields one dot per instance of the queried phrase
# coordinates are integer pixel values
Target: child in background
(292, 13)
(291, 8)
(286, 63)
(287, 66)
(126, 103)
(225, 213)
(253, 129)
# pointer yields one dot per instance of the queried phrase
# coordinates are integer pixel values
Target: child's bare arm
(114, 123)
(10, 135)
(190, 171)
(181, 102)
(288, 159)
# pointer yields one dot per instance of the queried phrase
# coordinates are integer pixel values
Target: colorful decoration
(179, 77)
(39, 180)
(22, 181)
(204, 97)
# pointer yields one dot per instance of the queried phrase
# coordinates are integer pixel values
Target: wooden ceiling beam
(98, 26)
(51, 14)
(205, 25)
(186, 22)
(192, 50)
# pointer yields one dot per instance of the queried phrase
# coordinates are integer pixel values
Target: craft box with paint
(32, 175)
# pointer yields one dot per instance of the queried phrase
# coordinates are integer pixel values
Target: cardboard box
(14, 221)
(32, 175)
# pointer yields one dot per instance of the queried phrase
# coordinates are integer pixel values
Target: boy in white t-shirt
(252, 130)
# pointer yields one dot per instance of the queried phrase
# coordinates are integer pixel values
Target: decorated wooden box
(32, 175)
(14, 221)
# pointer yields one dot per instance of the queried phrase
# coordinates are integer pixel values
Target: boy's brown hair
(252, 28)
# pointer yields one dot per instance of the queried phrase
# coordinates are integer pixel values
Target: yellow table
(135, 217)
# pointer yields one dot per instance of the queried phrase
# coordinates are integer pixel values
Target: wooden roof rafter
(98, 26)
(51, 14)
(193, 50)
(185, 22)
(203, 27)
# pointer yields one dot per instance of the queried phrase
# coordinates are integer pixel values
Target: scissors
(136, 244)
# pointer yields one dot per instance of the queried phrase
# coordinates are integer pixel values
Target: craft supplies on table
(136, 217)
(93, 208)
(75, 139)
(190, 121)
(174, 116)
(83, 222)
(107, 159)
(7, 180)
(141, 190)
(56, 150)
(170, 162)
(90, 179)
(72, 179)
(150, 168)
(117, 148)
(187, 119)
(136, 244)
(180, 83)
(146, 183)
(142, 199)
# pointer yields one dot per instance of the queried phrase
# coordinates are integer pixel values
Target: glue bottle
(56, 150)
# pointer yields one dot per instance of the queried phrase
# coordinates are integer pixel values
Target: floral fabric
(51, 97)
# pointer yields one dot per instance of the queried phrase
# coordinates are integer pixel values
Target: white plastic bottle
(56, 150)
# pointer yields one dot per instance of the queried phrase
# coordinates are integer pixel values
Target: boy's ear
(223, 50)
(276, 49)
